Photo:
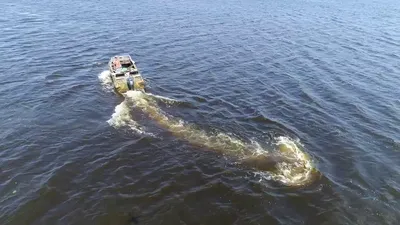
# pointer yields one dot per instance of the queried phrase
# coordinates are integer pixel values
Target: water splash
(294, 168)
(166, 100)
(122, 118)
(106, 81)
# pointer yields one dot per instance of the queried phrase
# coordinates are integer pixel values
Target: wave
(166, 100)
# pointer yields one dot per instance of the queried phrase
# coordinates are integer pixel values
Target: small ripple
(34, 209)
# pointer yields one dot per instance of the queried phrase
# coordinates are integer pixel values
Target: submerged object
(124, 74)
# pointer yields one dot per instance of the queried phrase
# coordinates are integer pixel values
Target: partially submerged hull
(125, 75)
(124, 85)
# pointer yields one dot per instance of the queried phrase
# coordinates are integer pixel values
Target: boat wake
(286, 162)
(122, 118)
(166, 100)
(105, 80)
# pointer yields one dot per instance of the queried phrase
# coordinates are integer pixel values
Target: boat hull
(125, 78)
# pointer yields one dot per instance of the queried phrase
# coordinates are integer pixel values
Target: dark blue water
(324, 74)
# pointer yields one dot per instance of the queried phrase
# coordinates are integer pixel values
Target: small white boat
(124, 74)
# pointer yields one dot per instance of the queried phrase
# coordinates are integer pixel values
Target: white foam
(136, 95)
(257, 149)
(122, 118)
(294, 172)
(164, 99)
(105, 80)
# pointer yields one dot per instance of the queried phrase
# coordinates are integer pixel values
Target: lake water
(315, 82)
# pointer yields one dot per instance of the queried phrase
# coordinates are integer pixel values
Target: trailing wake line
(287, 164)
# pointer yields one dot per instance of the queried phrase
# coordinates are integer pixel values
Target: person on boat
(116, 63)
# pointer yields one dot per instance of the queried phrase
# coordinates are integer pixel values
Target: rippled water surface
(313, 84)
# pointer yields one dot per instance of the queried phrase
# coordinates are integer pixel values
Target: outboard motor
(130, 83)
